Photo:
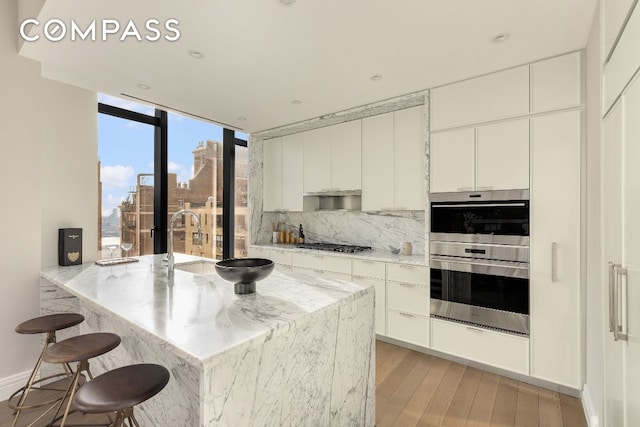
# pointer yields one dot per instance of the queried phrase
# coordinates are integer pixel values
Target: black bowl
(244, 272)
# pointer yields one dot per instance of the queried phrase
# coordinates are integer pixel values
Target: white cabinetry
(492, 97)
(372, 273)
(272, 175)
(282, 173)
(281, 258)
(624, 61)
(393, 160)
(332, 157)
(621, 186)
(614, 13)
(474, 159)
(377, 170)
(321, 265)
(493, 348)
(408, 303)
(555, 83)
(555, 248)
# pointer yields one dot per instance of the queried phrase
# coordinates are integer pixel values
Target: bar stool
(48, 324)
(120, 390)
(79, 349)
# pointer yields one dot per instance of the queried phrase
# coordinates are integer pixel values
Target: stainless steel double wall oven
(479, 258)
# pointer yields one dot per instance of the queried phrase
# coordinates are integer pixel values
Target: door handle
(620, 303)
(612, 273)
(554, 262)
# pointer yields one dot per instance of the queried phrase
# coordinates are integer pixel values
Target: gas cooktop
(333, 247)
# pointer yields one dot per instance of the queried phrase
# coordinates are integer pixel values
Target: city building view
(132, 221)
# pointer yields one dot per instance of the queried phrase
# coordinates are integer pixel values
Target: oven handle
(481, 205)
(517, 269)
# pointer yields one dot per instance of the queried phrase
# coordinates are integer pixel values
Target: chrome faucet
(181, 212)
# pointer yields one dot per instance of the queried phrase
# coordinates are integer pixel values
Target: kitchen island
(298, 352)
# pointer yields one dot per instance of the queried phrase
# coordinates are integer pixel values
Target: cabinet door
(612, 252)
(272, 175)
(346, 147)
(408, 327)
(555, 249)
(555, 83)
(292, 174)
(317, 161)
(377, 164)
(631, 251)
(452, 161)
(614, 12)
(408, 159)
(380, 304)
(492, 97)
(502, 156)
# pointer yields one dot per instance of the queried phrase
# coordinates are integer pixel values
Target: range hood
(332, 200)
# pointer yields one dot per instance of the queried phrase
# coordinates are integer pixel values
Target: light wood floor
(415, 389)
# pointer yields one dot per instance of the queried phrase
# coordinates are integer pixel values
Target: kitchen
(60, 186)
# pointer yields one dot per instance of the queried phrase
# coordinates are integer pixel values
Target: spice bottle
(300, 235)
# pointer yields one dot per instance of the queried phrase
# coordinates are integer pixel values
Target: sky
(125, 148)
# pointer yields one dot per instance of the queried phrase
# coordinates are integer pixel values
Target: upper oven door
(500, 217)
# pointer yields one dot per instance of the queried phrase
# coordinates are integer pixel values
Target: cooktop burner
(334, 247)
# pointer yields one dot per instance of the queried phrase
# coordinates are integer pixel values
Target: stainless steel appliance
(479, 259)
(333, 247)
(500, 217)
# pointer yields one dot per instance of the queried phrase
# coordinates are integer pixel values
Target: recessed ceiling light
(144, 86)
(286, 3)
(196, 54)
(296, 102)
(241, 119)
(376, 77)
(501, 38)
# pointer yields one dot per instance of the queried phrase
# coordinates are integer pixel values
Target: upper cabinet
(282, 173)
(624, 61)
(393, 160)
(332, 159)
(473, 159)
(555, 83)
(492, 97)
(614, 13)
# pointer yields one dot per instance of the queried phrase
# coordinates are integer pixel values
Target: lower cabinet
(506, 351)
(372, 273)
(281, 258)
(408, 327)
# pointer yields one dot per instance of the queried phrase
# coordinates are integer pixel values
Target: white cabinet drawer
(408, 328)
(380, 303)
(364, 268)
(283, 267)
(321, 273)
(275, 255)
(493, 348)
(322, 262)
(406, 273)
(408, 298)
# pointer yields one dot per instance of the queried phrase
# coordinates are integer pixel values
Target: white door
(502, 156)
(377, 162)
(292, 173)
(317, 160)
(555, 248)
(452, 161)
(612, 252)
(408, 159)
(631, 252)
(346, 147)
(272, 174)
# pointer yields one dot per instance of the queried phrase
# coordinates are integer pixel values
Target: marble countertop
(372, 255)
(200, 314)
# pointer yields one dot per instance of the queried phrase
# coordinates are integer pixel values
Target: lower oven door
(495, 296)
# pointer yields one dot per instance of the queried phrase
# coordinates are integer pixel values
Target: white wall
(48, 170)
(593, 395)
(69, 167)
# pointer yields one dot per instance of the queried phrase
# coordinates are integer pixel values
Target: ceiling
(259, 55)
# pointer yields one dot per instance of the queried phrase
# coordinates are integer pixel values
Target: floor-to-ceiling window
(154, 163)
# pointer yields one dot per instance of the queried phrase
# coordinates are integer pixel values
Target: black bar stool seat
(79, 349)
(120, 390)
(48, 324)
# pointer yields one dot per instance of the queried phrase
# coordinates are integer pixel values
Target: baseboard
(12, 383)
(589, 410)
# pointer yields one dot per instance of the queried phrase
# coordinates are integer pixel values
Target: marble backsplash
(380, 230)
